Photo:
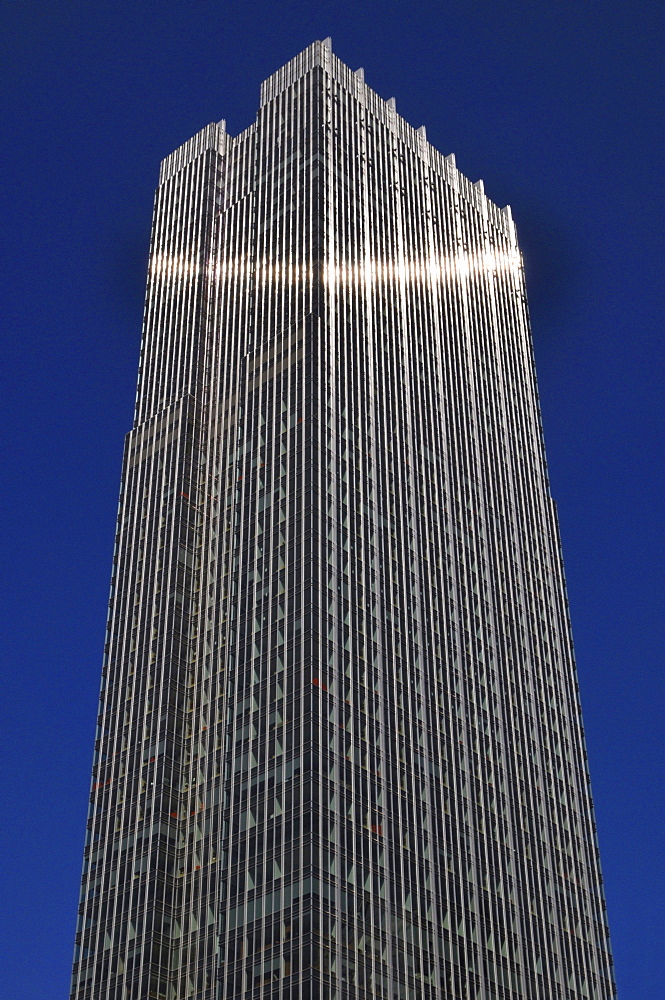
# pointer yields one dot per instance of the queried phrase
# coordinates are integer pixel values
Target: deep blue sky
(557, 105)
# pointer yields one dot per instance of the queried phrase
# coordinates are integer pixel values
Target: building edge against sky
(340, 750)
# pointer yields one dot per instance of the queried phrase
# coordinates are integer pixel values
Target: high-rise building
(340, 752)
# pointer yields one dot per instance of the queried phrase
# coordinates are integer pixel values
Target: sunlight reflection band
(369, 272)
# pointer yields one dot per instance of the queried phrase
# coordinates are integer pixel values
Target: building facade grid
(340, 751)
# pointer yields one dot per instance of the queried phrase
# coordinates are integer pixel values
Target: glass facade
(340, 751)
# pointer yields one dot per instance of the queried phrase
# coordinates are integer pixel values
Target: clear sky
(557, 105)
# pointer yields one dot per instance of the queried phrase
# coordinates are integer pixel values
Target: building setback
(340, 751)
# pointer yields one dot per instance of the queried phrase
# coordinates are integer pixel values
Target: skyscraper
(340, 752)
